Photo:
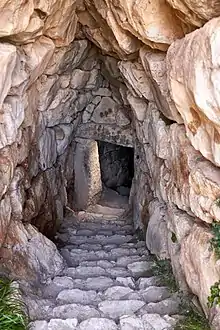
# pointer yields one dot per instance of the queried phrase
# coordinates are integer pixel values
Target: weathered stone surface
(33, 256)
(131, 323)
(68, 324)
(88, 183)
(98, 324)
(75, 311)
(117, 25)
(193, 82)
(195, 12)
(156, 321)
(116, 292)
(116, 308)
(156, 236)
(201, 271)
(155, 294)
(77, 296)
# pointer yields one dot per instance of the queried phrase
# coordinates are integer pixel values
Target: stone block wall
(148, 81)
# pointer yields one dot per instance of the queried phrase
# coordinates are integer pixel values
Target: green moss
(192, 320)
(215, 241)
(173, 237)
(12, 309)
(214, 298)
(217, 201)
(163, 269)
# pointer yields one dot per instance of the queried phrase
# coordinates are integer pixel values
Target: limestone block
(8, 62)
(79, 79)
(154, 64)
(138, 106)
(63, 136)
(47, 149)
(196, 12)
(61, 23)
(38, 55)
(136, 78)
(16, 191)
(199, 263)
(36, 197)
(157, 232)
(5, 218)
(105, 111)
(193, 80)
(108, 133)
(114, 27)
(87, 183)
(20, 11)
(12, 116)
(29, 255)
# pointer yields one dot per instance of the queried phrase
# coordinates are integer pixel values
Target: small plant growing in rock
(12, 309)
(163, 269)
(217, 202)
(214, 298)
(192, 320)
(215, 241)
(173, 237)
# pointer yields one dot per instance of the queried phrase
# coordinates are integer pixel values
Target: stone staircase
(108, 282)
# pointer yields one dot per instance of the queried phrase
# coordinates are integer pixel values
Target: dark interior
(117, 167)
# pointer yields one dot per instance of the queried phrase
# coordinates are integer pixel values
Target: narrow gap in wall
(117, 167)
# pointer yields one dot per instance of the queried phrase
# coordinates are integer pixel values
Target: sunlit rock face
(132, 73)
(193, 78)
(122, 26)
(196, 12)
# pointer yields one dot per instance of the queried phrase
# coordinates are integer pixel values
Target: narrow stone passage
(108, 282)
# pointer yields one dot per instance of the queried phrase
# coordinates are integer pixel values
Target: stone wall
(122, 87)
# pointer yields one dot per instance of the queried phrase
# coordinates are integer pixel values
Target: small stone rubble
(107, 284)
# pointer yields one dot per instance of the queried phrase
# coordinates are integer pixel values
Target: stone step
(114, 309)
(78, 311)
(99, 283)
(98, 324)
(69, 296)
(83, 272)
(68, 226)
(104, 210)
(75, 256)
(97, 239)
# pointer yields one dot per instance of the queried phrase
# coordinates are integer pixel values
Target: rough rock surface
(72, 71)
(71, 303)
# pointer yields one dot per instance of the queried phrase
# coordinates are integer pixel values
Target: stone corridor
(107, 283)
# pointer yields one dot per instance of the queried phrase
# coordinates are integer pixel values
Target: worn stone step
(86, 271)
(116, 293)
(116, 308)
(83, 297)
(146, 322)
(169, 306)
(80, 312)
(39, 309)
(101, 263)
(98, 324)
(58, 284)
(99, 283)
(105, 210)
(83, 272)
(55, 324)
(95, 226)
(141, 268)
(75, 256)
(98, 239)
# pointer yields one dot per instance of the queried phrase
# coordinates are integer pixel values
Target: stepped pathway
(108, 282)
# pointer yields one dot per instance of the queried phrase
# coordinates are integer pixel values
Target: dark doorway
(117, 167)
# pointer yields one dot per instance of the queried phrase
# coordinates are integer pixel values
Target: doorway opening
(117, 167)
